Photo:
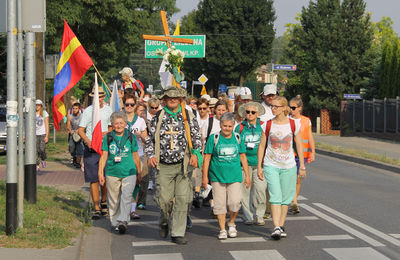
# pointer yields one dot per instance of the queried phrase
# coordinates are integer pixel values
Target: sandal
(104, 208)
(134, 215)
(96, 215)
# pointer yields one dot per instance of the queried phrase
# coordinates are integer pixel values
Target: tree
(110, 31)
(330, 47)
(239, 38)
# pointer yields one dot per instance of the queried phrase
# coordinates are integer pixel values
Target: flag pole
(101, 77)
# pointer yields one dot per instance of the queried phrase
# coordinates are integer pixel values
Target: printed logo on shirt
(227, 152)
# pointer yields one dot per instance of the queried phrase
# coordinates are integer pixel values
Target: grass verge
(53, 222)
(358, 153)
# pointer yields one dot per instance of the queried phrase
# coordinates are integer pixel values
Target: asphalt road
(348, 211)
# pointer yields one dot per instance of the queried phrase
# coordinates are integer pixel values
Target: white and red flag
(97, 136)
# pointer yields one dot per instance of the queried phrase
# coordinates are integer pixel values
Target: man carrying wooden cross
(167, 148)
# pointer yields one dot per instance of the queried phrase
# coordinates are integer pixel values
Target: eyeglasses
(252, 112)
(202, 108)
(293, 108)
(129, 104)
(275, 107)
(153, 107)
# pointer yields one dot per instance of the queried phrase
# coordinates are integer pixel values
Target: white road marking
(152, 243)
(257, 255)
(329, 237)
(345, 227)
(359, 224)
(301, 198)
(173, 256)
(243, 240)
(204, 221)
(395, 235)
(355, 253)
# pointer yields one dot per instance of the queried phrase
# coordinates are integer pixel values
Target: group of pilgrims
(251, 156)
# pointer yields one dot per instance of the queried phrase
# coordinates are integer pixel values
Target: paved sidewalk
(94, 244)
(370, 145)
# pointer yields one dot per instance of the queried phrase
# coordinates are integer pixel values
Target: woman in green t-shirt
(223, 156)
(122, 164)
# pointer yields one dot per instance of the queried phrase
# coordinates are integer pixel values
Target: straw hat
(242, 108)
(101, 92)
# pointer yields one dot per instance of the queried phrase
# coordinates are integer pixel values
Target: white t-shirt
(86, 120)
(298, 120)
(268, 113)
(215, 127)
(40, 126)
(279, 152)
(137, 128)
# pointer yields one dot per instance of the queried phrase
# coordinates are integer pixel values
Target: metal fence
(371, 116)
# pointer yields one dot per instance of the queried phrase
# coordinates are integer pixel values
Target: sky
(286, 11)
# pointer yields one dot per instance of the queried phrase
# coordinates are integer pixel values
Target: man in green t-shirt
(254, 200)
(223, 155)
(122, 165)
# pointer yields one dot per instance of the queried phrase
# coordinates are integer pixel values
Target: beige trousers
(226, 194)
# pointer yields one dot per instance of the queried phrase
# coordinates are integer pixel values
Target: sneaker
(179, 240)
(276, 234)
(260, 221)
(163, 231)
(267, 215)
(44, 164)
(96, 215)
(283, 232)
(122, 228)
(104, 208)
(247, 222)
(294, 209)
(141, 206)
(134, 215)
(150, 185)
(222, 235)
(232, 232)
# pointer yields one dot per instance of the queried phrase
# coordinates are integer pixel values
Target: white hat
(269, 89)
(244, 93)
(39, 102)
(145, 99)
(127, 71)
(206, 97)
(212, 102)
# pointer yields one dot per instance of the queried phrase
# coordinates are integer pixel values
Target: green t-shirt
(126, 167)
(225, 159)
(251, 137)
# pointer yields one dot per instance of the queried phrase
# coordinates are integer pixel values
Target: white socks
(133, 207)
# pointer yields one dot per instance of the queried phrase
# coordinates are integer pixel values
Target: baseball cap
(269, 89)
(245, 93)
(126, 71)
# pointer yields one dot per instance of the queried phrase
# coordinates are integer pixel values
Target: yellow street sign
(203, 79)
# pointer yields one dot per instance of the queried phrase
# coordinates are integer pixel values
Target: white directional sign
(203, 79)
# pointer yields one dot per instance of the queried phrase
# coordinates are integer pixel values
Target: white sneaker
(276, 234)
(260, 221)
(232, 232)
(283, 232)
(222, 235)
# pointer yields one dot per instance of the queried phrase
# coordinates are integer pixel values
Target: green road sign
(195, 50)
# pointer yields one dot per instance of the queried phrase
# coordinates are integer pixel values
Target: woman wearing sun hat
(253, 199)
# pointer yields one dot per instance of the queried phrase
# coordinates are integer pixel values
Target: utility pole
(21, 120)
(12, 119)
(30, 106)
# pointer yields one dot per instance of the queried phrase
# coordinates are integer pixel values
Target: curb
(359, 160)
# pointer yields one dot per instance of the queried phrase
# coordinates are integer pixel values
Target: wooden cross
(166, 38)
(171, 132)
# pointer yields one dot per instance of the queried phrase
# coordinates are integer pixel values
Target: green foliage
(239, 39)
(110, 31)
(330, 47)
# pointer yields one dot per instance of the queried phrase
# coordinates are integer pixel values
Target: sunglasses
(202, 108)
(153, 107)
(252, 112)
(129, 104)
(293, 108)
(275, 107)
